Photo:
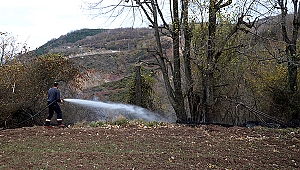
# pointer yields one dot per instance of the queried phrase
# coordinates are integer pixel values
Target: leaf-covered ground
(167, 146)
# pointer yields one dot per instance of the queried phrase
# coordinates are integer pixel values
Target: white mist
(132, 110)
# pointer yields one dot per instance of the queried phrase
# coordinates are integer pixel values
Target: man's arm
(58, 98)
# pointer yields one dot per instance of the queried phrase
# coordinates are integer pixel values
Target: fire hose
(28, 119)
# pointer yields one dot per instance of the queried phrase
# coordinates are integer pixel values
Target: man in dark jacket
(52, 102)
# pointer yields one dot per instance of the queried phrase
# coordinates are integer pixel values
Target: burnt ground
(168, 146)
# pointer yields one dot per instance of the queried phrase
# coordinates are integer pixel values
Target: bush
(25, 84)
(285, 104)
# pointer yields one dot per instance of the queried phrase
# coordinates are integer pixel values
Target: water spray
(132, 110)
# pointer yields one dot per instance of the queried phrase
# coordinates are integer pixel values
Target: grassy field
(155, 146)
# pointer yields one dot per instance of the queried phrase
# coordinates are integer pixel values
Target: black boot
(47, 124)
(59, 124)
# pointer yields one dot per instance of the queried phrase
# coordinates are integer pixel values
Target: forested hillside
(69, 38)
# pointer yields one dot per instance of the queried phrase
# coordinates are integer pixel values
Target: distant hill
(69, 38)
(89, 40)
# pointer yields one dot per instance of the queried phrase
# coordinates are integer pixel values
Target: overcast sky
(38, 21)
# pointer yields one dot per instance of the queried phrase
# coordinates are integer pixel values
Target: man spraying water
(52, 102)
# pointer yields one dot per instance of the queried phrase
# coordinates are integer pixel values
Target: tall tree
(173, 84)
(217, 46)
(290, 40)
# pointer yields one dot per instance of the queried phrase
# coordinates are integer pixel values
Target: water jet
(124, 109)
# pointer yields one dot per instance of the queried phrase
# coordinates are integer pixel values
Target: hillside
(109, 51)
(69, 38)
(95, 40)
(109, 54)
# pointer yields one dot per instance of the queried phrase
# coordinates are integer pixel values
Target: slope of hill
(70, 37)
(112, 51)
(91, 40)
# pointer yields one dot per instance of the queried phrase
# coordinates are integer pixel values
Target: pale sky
(38, 21)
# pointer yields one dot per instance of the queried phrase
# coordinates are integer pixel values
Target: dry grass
(154, 146)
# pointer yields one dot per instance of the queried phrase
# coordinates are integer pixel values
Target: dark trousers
(54, 108)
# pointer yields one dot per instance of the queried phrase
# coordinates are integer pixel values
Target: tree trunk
(209, 72)
(175, 95)
(291, 43)
(192, 104)
(179, 100)
(138, 86)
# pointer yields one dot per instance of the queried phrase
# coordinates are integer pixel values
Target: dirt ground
(168, 146)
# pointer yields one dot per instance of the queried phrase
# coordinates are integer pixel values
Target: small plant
(93, 124)
(97, 124)
(121, 122)
(151, 124)
(100, 123)
(81, 124)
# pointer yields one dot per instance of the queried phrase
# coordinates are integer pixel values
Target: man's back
(53, 94)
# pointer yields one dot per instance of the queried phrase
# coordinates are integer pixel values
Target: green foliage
(71, 37)
(97, 124)
(117, 91)
(152, 124)
(147, 91)
(74, 36)
(285, 105)
(121, 121)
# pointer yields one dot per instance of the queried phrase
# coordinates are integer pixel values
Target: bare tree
(173, 19)
(170, 68)
(9, 47)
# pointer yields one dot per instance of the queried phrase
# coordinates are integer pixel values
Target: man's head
(55, 84)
